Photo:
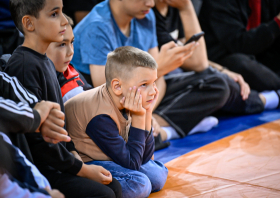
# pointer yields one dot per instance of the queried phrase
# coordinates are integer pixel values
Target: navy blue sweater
(132, 154)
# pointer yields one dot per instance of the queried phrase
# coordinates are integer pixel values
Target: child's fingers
(54, 105)
(127, 98)
(122, 101)
(136, 99)
(47, 188)
(105, 171)
(132, 97)
(57, 114)
(106, 179)
(140, 102)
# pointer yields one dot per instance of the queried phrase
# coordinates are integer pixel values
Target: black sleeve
(70, 146)
(15, 114)
(230, 29)
(21, 118)
(181, 28)
(16, 188)
(17, 117)
(163, 35)
(11, 88)
(55, 155)
(30, 188)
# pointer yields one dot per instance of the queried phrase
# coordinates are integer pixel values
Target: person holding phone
(173, 24)
(176, 21)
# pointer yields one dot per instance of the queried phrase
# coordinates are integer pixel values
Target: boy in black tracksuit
(18, 176)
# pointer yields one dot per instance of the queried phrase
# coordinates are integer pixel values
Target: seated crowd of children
(82, 110)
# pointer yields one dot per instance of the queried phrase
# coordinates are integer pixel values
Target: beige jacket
(80, 110)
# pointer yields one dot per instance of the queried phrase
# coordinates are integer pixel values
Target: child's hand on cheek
(151, 107)
(133, 102)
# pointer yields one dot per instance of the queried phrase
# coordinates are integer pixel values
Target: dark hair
(123, 60)
(20, 8)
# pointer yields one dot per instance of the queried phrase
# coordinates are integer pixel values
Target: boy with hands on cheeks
(141, 114)
(111, 124)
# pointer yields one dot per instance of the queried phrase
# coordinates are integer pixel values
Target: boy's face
(61, 53)
(138, 8)
(51, 23)
(144, 79)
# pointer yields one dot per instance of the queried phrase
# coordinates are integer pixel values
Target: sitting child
(18, 176)
(61, 53)
(111, 124)
(71, 81)
(42, 22)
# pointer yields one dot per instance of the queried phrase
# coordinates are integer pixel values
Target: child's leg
(156, 172)
(190, 97)
(134, 183)
(74, 186)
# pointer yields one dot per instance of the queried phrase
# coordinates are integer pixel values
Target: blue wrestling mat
(227, 126)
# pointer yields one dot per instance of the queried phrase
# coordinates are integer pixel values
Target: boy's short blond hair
(123, 60)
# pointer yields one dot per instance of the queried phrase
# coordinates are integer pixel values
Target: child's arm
(96, 173)
(149, 111)
(15, 109)
(104, 132)
(149, 144)
(149, 148)
(12, 89)
(10, 187)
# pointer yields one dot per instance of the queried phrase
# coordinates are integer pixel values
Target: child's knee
(138, 185)
(157, 174)
(159, 181)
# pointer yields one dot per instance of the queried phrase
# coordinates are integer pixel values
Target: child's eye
(62, 44)
(144, 85)
(54, 14)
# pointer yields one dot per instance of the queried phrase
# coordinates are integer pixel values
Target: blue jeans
(150, 178)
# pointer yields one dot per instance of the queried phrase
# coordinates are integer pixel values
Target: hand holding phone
(195, 37)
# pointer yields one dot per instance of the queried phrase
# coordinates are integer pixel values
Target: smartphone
(195, 37)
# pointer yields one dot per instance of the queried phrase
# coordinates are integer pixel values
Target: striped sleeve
(10, 188)
(11, 88)
(17, 117)
(15, 113)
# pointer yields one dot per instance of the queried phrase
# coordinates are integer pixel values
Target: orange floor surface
(246, 164)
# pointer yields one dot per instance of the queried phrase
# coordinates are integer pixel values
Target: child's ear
(116, 86)
(27, 23)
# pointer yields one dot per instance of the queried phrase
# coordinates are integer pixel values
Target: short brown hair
(20, 8)
(123, 60)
